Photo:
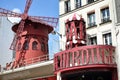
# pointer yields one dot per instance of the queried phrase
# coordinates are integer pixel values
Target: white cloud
(16, 10)
(15, 19)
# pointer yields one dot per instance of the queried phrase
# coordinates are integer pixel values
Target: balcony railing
(85, 56)
(104, 20)
(68, 9)
(92, 24)
(31, 61)
(77, 5)
(91, 1)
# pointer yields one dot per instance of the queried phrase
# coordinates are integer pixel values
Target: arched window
(26, 45)
(43, 46)
(34, 45)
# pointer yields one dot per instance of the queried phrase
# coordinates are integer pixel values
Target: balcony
(27, 62)
(95, 56)
(77, 5)
(34, 67)
(67, 9)
(91, 1)
(92, 24)
(105, 20)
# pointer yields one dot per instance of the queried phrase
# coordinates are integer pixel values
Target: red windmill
(31, 31)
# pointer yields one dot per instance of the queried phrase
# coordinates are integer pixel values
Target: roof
(50, 28)
(73, 17)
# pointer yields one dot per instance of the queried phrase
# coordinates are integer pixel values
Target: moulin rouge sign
(85, 55)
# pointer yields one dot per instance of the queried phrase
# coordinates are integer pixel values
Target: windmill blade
(17, 36)
(20, 27)
(28, 3)
(8, 13)
(14, 42)
(46, 20)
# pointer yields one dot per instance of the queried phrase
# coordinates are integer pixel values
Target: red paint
(85, 55)
(75, 33)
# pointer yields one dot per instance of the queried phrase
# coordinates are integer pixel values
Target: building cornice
(117, 24)
(82, 7)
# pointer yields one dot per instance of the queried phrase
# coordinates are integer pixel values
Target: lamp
(55, 32)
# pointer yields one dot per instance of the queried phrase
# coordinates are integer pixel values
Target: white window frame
(105, 17)
(91, 19)
(67, 6)
(108, 37)
(94, 40)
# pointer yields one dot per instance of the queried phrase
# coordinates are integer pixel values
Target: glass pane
(26, 45)
(107, 39)
(93, 40)
(91, 18)
(67, 6)
(105, 13)
(34, 45)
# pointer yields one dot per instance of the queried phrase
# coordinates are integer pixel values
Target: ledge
(106, 22)
(42, 69)
(91, 27)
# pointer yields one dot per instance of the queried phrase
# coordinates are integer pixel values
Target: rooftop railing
(32, 61)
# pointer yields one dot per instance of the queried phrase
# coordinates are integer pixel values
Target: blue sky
(37, 8)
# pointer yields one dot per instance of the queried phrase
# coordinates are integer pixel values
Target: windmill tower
(31, 38)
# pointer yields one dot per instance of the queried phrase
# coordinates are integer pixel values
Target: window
(26, 45)
(105, 15)
(47, 48)
(91, 1)
(93, 40)
(77, 3)
(43, 46)
(34, 45)
(91, 19)
(67, 6)
(107, 39)
(58, 60)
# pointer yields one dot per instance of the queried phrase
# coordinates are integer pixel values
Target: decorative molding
(82, 7)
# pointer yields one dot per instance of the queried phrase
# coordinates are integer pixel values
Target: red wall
(34, 32)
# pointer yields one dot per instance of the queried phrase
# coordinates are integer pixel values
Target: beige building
(102, 19)
(6, 54)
